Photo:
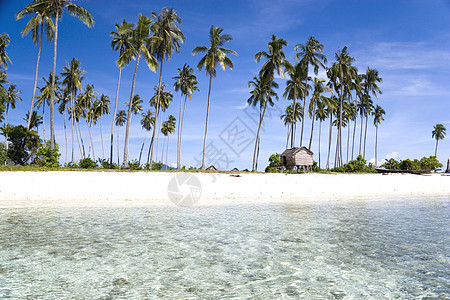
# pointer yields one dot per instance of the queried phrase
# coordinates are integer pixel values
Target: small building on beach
(297, 157)
(211, 168)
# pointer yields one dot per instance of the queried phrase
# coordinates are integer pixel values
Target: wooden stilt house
(297, 157)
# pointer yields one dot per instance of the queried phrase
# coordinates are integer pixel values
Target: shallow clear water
(371, 249)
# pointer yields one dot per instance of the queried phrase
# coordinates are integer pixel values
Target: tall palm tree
(40, 21)
(4, 58)
(321, 115)
(36, 120)
(3, 80)
(186, 82)
(102, 108)
(331, 110)
(370, 80)
(12, 95)
(296, 89)
(317, 97)
(357, 87)
(86, 101)
(261, 96)
(57, 8)
(140, 42)
(160, 104)
(377, 118)
(167, 129)
(72, 78)
(342, 73)
(121, 118)
(310, 53)
(63, 108)
(289, 118)
(44, 97)
(215, 54)
(121, 42)
(147, 122)
(438, 133)
(169, 39)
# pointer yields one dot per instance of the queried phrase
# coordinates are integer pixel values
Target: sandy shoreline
(151, 188)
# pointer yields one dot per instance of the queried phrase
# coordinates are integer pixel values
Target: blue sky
(408, 42)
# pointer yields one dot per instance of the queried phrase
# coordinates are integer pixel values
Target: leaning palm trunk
(288, 135)
(35, 79)
(329, 141)
(258, 136)
(65, 132)
(149, 150)
(6, 125)
(181, 128)
(114, 121)
(72, 119)
(127, 131)
(435, 150)
(312, 125)
(78, 139)
(157, 138)
(206, 127)
(162, 150)
(341, 104)
(142, 148)
(360, 135)
(304, 104)
(158, 94)
(43, 119)
(320, 133)
(179, 134)
(292, 131)
(52, 92)
(354, 133)
(90, 136)
(376, 146)
(365, 138)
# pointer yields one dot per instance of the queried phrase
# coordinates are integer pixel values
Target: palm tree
(167, 129)
(296, 89)
(4, 58)
(102, 108)
(290, 118)
(310, 53)
(341, 74)
(35, 120)
(215, 54)
(317, 97)
(63, 107)
(57, 8)
(121, 42)
(369, 83)
(261, 96)
(439, 132)
(169, 38)
(186, 82)
(161, 104)
(121, 118)
(377, 118)
(321, 115)
(331, 110)
(44, 97)
(86, 102)
(12, 95)
(41, 20)
(140, 42)
(147, 122)
(73, 76)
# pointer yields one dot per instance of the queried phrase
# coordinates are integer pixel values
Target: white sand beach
(151, 188)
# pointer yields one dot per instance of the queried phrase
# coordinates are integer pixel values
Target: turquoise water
(372, 249)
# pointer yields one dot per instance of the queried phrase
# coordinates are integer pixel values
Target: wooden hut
(235, 170)
(211, 168)
(297, 157)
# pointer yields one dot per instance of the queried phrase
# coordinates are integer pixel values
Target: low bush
(87, 163)
(355, 166)
(47, 157)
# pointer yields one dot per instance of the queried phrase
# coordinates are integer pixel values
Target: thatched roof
(235, 170)
(293, 151)
(211, 168)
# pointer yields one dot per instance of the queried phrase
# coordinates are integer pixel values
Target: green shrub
(430, 163)
(134, 165)
(391, 164)
(274, 164)
(47, 157)
(355, 166)
(87, 163)
(3, 155)
(157, 166)
(23, 143)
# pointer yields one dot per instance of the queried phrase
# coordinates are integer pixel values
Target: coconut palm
(169, 39)
(12, 95)
(102, 108)
(331, 110)
(86, 102)
(40, 21)
(261, 96)
(44, 97)
(160, 104)
(72, 78)
(186, 82)
(365, 107)
(57, 8)
(121, 118)
(295, 90)
(370, 80)
(377, 118)
(290, 118)
(357, 87)
(63, 107)
(140, 42)
(3, 80)
(147, 122)
(321, 115)
(317, 97)
(36, 120)
(4, 58)
(438, 133)
(310, 53)
(168, 127)
(215, 54)
(121, 41)
(136, 105)
(341, 74)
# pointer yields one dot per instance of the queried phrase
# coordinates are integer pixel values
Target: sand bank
(144, 188)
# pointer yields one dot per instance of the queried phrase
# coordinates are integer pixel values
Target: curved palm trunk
(292, 132)
(288, 135)
(312, 125)
(72, 119)
(181, 128)
(365, 137)
(90, 136)
(43, 119)
(6, 124)
(114, 121)
(258, 136)
(360, 135)
(156, 114)
(354, 133)
(162, 151)
(206, 127)
(179, 134)
(149, 149)
(35, 78)
(320, 133)
(52, 93)
(435, 150)
(127, 131)
(142, 147)
(157, 138)
(376, 146)
(329, 141)
(65, 131)
(78, 139)
(304, 104)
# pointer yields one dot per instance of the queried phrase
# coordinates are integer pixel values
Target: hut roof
(211, 168)
(235, 170)
(293, 151)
